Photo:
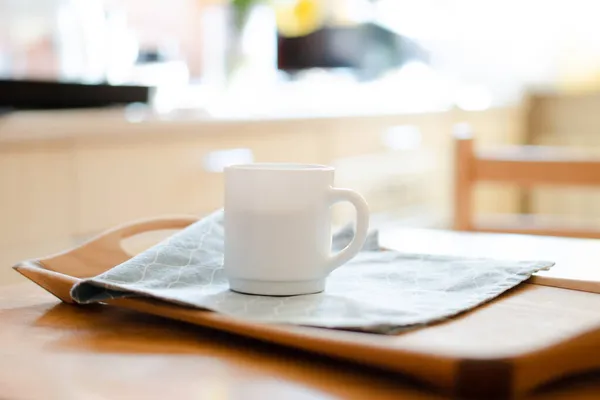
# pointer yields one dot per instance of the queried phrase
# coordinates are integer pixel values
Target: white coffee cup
(278, 227)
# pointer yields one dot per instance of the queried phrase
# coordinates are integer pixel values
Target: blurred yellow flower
(299, 17)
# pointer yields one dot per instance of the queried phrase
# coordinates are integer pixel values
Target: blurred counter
(67, 175)
(123, 122)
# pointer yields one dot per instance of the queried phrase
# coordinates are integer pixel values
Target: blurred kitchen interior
(116, 110)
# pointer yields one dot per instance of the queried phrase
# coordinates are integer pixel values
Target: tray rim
(452, 374)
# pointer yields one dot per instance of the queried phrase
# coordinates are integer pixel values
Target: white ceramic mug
(278, 227)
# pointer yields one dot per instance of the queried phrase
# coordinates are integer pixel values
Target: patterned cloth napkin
(378, 291)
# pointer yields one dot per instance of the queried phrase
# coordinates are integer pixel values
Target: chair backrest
(524, 166)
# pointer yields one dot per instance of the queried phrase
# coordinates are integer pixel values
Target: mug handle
(362, 226)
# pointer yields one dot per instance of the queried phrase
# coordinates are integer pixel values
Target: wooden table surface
(50, 350)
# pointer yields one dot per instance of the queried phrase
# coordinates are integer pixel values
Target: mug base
(276, 288)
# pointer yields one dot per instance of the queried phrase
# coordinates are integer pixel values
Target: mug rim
(280, 167)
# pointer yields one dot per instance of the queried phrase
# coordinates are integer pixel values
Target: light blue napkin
(378, 291)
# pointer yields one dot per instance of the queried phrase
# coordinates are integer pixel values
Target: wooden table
(50, 350)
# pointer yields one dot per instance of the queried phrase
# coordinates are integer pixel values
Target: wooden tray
(525, 338)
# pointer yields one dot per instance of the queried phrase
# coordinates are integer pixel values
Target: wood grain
(52, 351)
(522, 333)
(74, 352)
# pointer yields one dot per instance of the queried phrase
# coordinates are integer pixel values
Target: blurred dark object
(368, 49)
(150, 56)
(35, 95)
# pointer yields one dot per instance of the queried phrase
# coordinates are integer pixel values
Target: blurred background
(116, 110)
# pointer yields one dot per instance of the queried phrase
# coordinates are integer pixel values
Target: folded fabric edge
(102, 291)
(92, 287)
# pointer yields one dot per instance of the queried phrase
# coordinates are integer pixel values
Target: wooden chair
(526, 167)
